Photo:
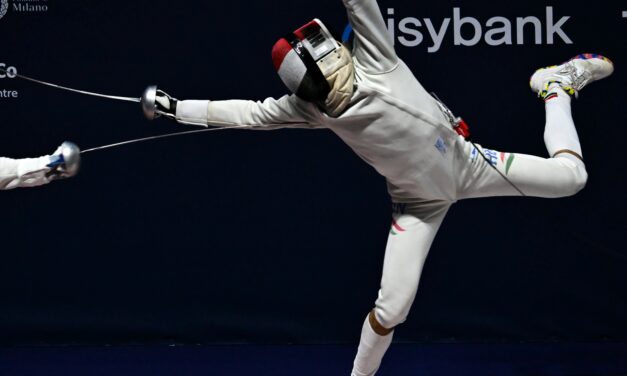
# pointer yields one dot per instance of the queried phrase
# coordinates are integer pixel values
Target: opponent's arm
(373, 46)
(285, 112)
(31, 172)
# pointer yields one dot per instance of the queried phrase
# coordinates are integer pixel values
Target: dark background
(278, 237)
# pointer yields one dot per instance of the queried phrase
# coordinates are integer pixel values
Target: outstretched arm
(373, 46)
(285, 112)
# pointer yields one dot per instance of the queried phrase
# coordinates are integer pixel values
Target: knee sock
(559, 132)
(371, 349)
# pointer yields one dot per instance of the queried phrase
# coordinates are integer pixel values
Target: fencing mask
(315, 67)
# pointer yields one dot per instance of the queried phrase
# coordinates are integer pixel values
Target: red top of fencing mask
(295, 58)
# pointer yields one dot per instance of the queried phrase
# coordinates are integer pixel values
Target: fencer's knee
(577, 177)
(377, 326)
(391, 316)
(580, 180)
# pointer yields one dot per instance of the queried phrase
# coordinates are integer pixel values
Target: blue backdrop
(242, 236)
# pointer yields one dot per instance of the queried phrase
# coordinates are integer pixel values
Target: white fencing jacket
(392, 123)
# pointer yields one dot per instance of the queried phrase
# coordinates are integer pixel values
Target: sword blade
(175, 134)
(114, 97)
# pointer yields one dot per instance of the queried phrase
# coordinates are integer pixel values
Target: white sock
(371, 349)
(559, 131)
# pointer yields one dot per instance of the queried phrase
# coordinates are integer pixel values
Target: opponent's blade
(176, 134)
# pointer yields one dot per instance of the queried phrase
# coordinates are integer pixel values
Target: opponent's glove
(64, 162)
(166, 105)
(31, 172)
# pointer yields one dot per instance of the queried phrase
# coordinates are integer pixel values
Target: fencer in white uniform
(373, 102)
(32, 172)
